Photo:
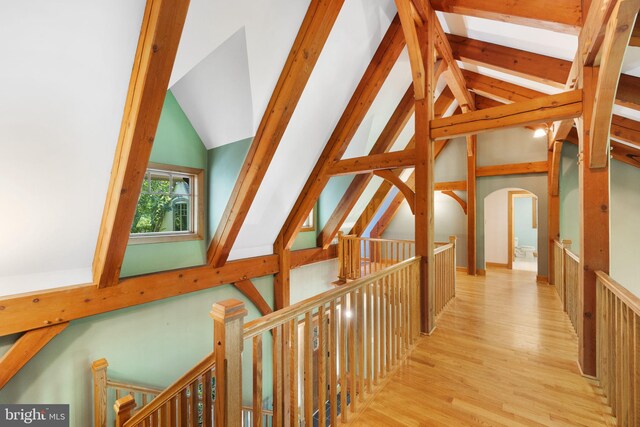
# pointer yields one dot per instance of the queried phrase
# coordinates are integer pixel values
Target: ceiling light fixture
(540, 132)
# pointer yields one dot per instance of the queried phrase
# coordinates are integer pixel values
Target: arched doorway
(511, 230)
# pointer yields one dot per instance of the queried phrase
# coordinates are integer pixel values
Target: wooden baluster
(173, 412)
(193, 402)
(387, 324)
(636, 364)
(342, 352)
(278, 398)
(398, 317)
(293, 372)
(405, 301)
(228, 320)
(308, 369)
(257, 381)
(322, 367)
(333, 369)
(376, 331)
(352, 351)
(207, 402)
(124, 409)
(183, 408)
(99, 371)
(369, 333)
(361, 344)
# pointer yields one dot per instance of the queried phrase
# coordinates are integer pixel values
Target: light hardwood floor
(503, 354)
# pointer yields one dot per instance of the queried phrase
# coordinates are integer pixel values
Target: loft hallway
(503, 354)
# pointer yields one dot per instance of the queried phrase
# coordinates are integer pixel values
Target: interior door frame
(512, 195)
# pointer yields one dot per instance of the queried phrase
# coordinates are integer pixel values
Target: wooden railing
(331, 350)
(107, 390)
(445, 265)
(360, 256)
(618, 348)
(566, 279)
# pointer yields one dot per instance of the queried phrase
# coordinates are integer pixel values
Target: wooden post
(553, 211)
(472, 142)
(99, 370)
(342, 277)
(594, 229)
(282, 279)
(124, 409)
(228, 323)
(453, 240)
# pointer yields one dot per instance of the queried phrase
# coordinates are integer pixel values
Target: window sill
(167, 238)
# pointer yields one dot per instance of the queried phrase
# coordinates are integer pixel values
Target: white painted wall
(313, 279)
(66, 67)
(496, 225)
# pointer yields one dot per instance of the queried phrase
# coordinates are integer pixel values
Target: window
(170, 206)
(309, 223)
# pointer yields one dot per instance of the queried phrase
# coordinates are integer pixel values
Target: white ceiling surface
(270, 28)
(216, 94)
(60, 115)
(356, 35)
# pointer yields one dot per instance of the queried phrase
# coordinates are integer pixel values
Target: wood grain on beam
(626, 130)
(162, 25)
(367, 164)
(540, 68)
(312, 255)
(513, 169)
(413, 46)
(308, 45)
(372, 208)
(555, 168)
(619, 151)
(451, 186)
(544, 109)
(408, 193)
(381, 64)
(498, 90)
(385, 141)
(250, 291)
(635, 35)
(614, 46)
(458, 199)
(592, 33)
(628, 94)
(561, 16)
(23, 350)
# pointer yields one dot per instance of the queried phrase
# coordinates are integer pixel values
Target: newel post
(99, 370)
(228, 325)
(452, 240)
(124, 409)
(341, 273)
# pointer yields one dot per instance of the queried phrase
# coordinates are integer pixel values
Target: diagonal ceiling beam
(385, 141)
(162, 25)
(381, 64)
(557, 15)
(406, 191)
(374, 162)
(311, 38)
(615, 44)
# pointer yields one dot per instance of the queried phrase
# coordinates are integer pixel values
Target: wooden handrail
(271, 320)
(376, 239)
(573, 256)
(208, 363)
(442, 248)
(625, 296)
(133, 387)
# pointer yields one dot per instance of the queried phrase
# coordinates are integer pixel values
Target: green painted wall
(625, 233)
(523, 222)
(330, 196)
(569, 203)
(224, 164)
(152, 344)
(176, 143)
(307, 239)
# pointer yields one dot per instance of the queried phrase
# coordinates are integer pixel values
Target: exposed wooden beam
(482, 102)
(540, 68)
(306, 49)
(162, 25)
(635, 35)
(405, 12)
(592, 33)
(513, 169)
(561, 16)
(498, 90)
(619, 151)
(34, 310)
(628, 94)
(554, 174)
(250, 291)
(458, 199)
(626, 130)
(372, 208)
(472, 149)
(408, 193)
(388, 215)
(450, 186)
(367, 164)
(548, 108)
(23, 350)
(381, 64)
(385, 141)
(615, 43)
(312, 255)
(593, 196)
